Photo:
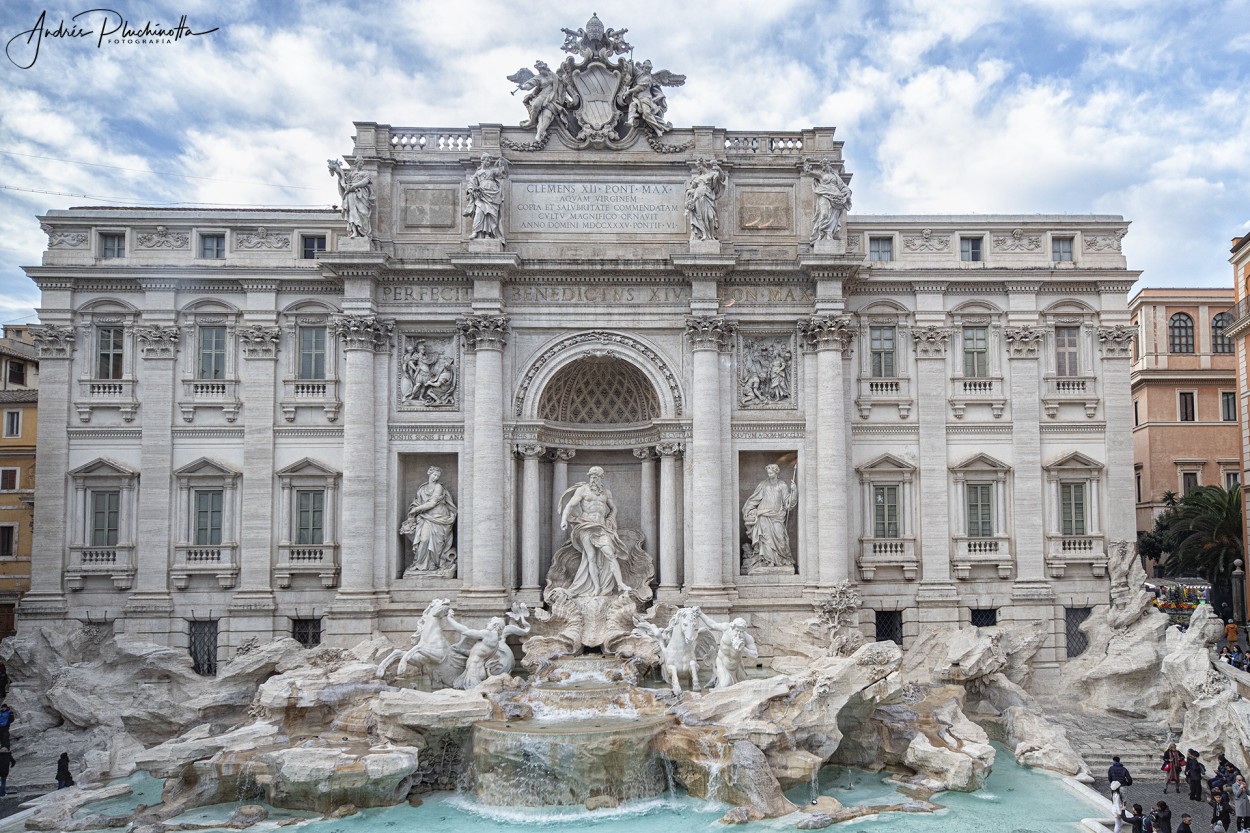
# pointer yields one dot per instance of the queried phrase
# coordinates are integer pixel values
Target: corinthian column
(646, 456)
(709, 336)
(1028, 536)
(362, 338)
(830, 335)
(485, 336)
(531, 526)
(670, 501)
(932, 344)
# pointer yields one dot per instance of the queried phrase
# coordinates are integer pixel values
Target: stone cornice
(485, 265)
(704, 267)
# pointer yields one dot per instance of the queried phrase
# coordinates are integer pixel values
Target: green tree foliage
(1201, 532)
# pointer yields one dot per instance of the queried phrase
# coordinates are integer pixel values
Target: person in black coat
(6, 761)
(1134, 818)
(63, 777)
(1194, 771)
(1161, 815)
(1221, 811)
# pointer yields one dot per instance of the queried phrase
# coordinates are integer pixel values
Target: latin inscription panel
(575, 207)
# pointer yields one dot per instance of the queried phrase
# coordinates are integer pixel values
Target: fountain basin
(532, 763)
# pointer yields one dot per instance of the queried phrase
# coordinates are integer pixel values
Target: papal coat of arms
(596, 97)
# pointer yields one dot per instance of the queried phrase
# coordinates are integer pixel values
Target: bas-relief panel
(429, 372)
(760, 209)
(431, 207)
(766, 371)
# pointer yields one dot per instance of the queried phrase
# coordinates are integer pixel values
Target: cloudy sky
(1133, 107)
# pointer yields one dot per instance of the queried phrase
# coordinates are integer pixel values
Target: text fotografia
(99, 26)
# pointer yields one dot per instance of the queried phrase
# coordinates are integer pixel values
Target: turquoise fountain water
(1014, 799)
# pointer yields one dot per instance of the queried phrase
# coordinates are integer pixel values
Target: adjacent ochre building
(238, 406)
(1185, 401)
(19, 398)
(1239, 331)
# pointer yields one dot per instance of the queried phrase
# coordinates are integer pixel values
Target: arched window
(1180, 334)
(1221, 343)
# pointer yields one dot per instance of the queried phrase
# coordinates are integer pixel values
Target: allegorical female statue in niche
(765, 515)
(431, 523)
(484, 197)
(356, 193)
(833, 199)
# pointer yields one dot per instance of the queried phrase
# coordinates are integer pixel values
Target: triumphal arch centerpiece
(590, 356)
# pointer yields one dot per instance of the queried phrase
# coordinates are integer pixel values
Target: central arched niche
(599, 390)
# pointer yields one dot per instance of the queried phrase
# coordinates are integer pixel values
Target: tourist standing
(63, 777)
(1161, 816)
(1194, 771)
(1221, 813)
(1230, 633)
(6, 761)
(1135, 818)
(1173, 765)
(7, 716)
(1241, 801)
(1184, 826)
(1117, 806)
(1119, 772)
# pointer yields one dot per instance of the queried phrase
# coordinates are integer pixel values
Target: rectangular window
(112, 245)
(1136, 413)
(109, 352)
(984, 617)
(980, 509)
(1186, 409)
(208, 517)
(13, 423)
(312, 352)
(1066, 351)
(885, 512)
(17, 372)
(976, 352)
(881, 249)
(9, 479)
(890, 626)
(881, 347)
(211, 362)
(104, 513)
(970, 249)
(310, 516)
(306, 632)
(1137, 483)
(1231, 479)
(203, 647)
(213, 246)
(8, 541)
(1189, 481)
(1228, 405)
(1072, 500)
(1073, 618)
(311, 244)
(1061, 249)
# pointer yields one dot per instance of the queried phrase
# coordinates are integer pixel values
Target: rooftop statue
(833, 199)
(356, 193)
(595, 97)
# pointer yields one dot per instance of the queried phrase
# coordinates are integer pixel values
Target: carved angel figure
(484, 192)
(645, 96)
(546, 99)
(356, 194)
(833, 200)
(703, 189)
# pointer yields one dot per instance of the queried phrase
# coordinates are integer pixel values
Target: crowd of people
(1225, 791)
(7, 718)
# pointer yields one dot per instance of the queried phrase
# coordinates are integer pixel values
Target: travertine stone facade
(261, 421)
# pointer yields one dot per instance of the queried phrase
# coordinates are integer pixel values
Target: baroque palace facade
(240, 409)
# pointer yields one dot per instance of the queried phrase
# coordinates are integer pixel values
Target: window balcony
(115, 563)
(977, 390)
(210, 393)
(1081, 390)
(888, 554)
(1064, 551)
(219, 560)
(320, 560)
(106, 393)
(310, 393)
(878, 390)
(971, 552)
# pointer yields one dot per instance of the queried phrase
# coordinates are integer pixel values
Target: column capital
(931, 341)
(563, 455)
(158, 341)
(484, 332)
(669, 449)
(1117, 341)
(645, 453)
(530, 451)
(828, 332)
(710, 332)
(363, 332)
(259, 341)
(54, 341)
(1024, 342)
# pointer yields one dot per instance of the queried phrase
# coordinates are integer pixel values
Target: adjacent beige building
(19, 380)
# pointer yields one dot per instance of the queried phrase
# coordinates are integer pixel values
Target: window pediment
(103, 467)
(206, 467)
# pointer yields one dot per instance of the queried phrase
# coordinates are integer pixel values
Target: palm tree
(1204, 531)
